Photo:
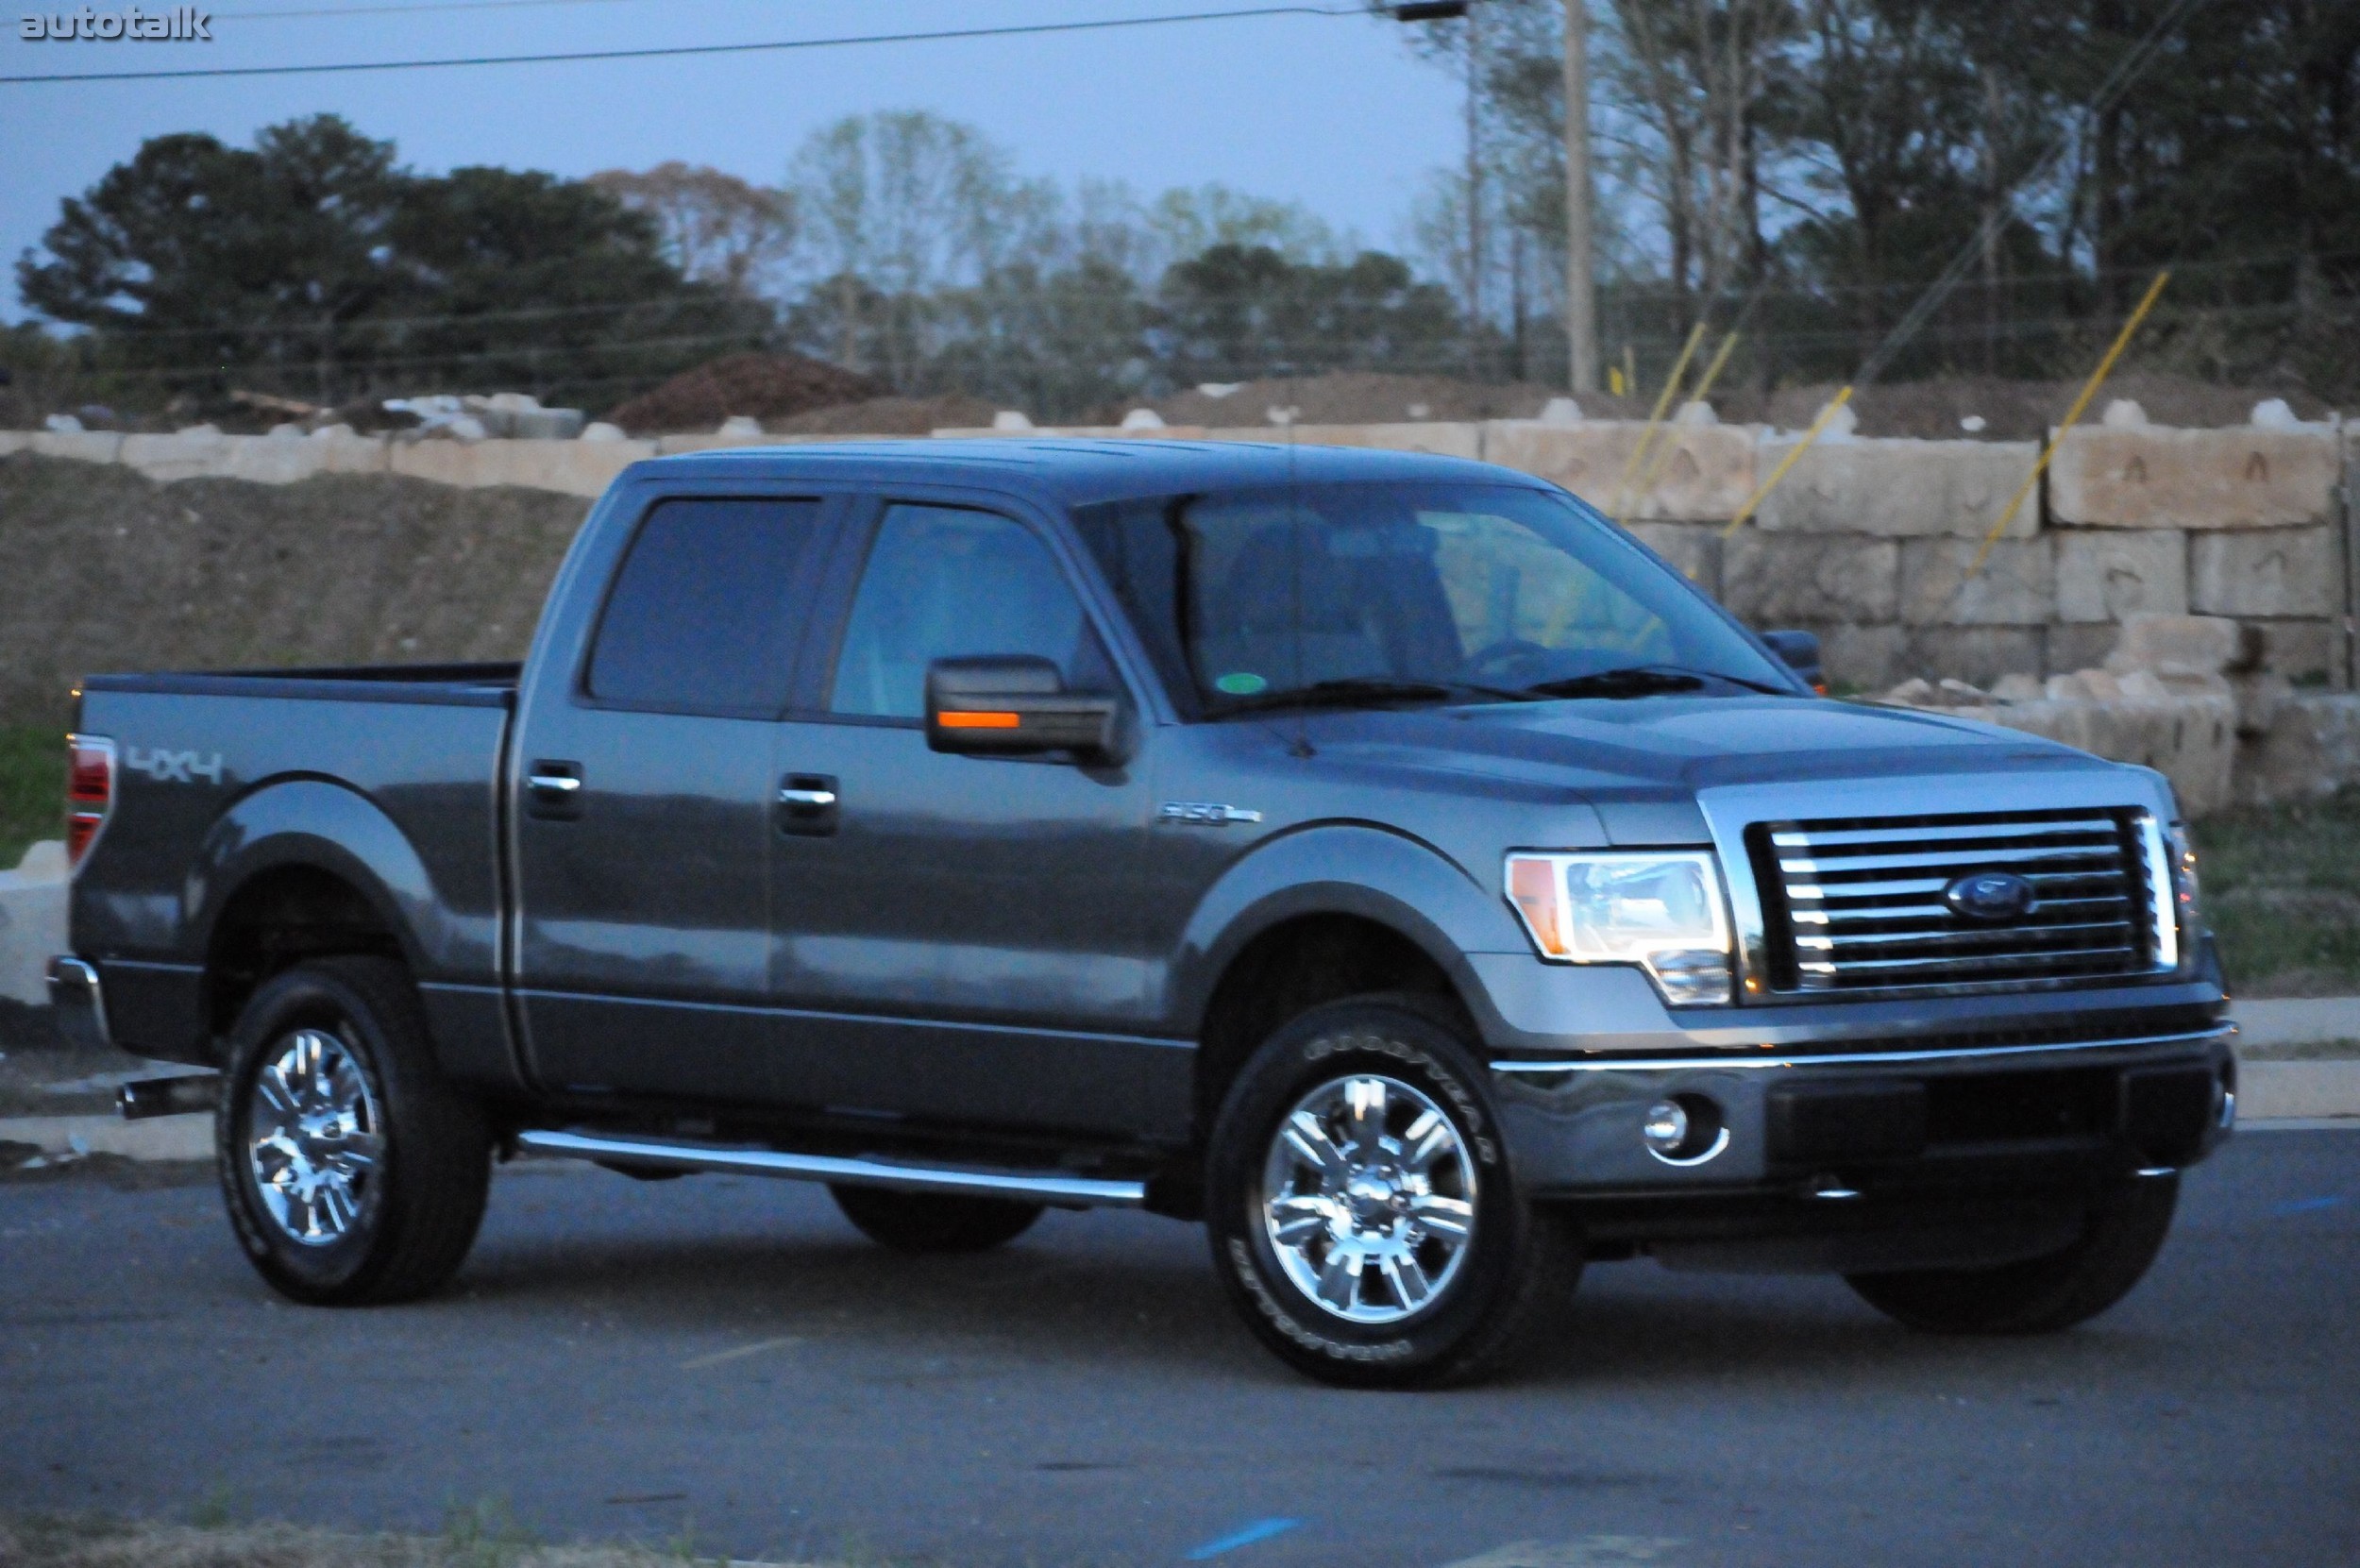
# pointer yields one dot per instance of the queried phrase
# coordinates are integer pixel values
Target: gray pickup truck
(1382, 858)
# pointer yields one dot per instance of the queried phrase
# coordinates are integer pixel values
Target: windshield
(1485, 591)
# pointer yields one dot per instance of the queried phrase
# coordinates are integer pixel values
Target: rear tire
(934, 1222)
(2127, 1224)
(353, 1170)
(1362, 1210)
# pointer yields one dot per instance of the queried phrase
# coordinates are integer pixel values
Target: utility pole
(1581, 298)
(1476, 256)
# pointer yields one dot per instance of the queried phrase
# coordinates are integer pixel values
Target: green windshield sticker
(1241, 683)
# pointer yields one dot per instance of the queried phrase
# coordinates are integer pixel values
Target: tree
(1238, 311)
(717, 228)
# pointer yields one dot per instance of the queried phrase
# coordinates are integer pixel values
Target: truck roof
(1073, 471)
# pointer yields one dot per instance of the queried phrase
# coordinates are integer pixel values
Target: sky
(1330, 112)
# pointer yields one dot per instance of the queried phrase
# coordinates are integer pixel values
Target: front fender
(1396, 881)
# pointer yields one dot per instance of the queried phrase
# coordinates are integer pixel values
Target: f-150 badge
(1203, 815)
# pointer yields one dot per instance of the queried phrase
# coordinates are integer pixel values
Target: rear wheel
(1362, 1208)
(2124, 1230)
(353, 1170)
(934, 1222)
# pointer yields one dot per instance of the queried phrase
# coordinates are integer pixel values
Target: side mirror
(1801, 649)
(1017, 705)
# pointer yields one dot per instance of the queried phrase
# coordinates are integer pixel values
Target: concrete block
(185, 456)
(1704, 472)
(1868, 658)
(263, 461)
(2016, 587)
(32, 921)
(668, 446)
(1441, 437)
(1770, 580)
(79, 446)
(2192, 741)
(16, 441)
(2153, 478)
(1693, 548)
(1899, 489)
(2296, 648)
(1981, 655)
(2281, 572)
(2196, 645)
(2333, 718)
(2104, 575)
(568, 467)
(2075, 646)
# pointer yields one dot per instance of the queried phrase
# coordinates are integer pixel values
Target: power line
(687, 50)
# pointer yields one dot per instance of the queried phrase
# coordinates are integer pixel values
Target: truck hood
(1641, 760)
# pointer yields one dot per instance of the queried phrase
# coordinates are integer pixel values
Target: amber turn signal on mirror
(1014, 705)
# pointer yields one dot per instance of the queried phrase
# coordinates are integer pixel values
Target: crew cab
(1380, 858)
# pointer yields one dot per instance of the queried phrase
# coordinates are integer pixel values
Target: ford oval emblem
(1991, 896)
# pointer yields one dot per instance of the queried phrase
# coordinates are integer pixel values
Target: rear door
(645, 807)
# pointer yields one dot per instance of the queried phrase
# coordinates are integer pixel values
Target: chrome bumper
(79, 999)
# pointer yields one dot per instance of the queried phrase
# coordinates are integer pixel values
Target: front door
(959, 936)
(646, 803)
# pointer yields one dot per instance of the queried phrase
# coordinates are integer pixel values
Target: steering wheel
(1504, 656)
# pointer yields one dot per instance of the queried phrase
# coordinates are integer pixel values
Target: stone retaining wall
(1867, 542)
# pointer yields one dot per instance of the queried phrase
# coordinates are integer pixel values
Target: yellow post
(1655, 419)
(2073, 415)
(1764, 489)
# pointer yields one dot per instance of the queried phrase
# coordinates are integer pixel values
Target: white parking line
(741, 1352)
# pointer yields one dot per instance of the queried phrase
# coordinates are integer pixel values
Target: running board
(1038, 1187)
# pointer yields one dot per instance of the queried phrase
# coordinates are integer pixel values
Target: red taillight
(89, 790)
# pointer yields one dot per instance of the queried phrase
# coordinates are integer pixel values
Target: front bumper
(1891, 1126)
(79, 1000)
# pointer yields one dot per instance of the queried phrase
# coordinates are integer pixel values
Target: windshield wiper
(1642, 680)
(1364, 690)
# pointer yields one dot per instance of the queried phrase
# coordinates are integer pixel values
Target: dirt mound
(102, 569)
(1363, 397)
(761, 386)
(888, 416)
(2011, 410)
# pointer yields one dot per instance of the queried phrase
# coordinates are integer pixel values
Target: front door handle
(807, 805)
(553, 790)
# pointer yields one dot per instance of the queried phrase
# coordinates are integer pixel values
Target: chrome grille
(1857, 903)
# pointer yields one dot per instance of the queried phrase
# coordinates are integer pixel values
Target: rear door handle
(553, 790)
(807, 805)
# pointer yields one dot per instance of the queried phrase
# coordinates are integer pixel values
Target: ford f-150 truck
(1380, 857)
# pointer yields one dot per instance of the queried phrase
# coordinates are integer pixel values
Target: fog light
(1666, 1128)
(1684, 1129)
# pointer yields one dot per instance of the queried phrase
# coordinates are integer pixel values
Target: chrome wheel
(1367, 1198)
(313, 1138)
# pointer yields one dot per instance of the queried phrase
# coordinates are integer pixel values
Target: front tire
(1362, 1211)
(2127, 1224)
(934, 1222)
(353, 1170)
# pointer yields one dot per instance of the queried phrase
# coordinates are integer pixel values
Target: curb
(158, 1139)
(2309, 1090)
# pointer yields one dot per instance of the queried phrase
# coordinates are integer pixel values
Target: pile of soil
(2011, 410)
(888, 416)
(102, 569)
(760, 386)
(1366, 398)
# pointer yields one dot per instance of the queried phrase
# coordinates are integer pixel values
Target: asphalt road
(726, 1360)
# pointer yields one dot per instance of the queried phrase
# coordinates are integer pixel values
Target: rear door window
(708, 607)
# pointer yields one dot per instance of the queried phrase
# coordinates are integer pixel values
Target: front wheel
(1362, 1208)
(353, 1170)
(2127, 1224)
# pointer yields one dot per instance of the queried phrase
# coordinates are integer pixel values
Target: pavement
(2264, 1022)
(723, 1362)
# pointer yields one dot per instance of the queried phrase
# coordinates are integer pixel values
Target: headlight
(1661, 911)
